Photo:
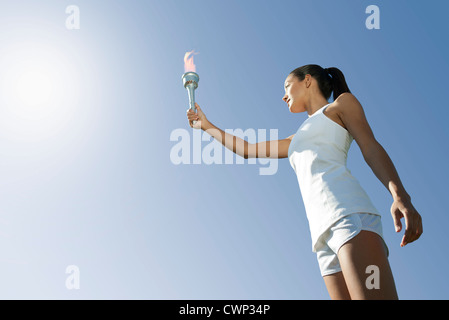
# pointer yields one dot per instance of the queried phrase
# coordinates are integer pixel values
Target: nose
(285, 98)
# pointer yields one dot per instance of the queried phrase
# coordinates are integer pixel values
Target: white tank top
(318, 154)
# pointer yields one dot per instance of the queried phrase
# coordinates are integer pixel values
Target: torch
(190, 79)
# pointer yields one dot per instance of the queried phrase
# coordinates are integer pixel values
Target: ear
(308, 80)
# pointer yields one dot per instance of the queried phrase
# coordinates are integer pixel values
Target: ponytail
(338, 81)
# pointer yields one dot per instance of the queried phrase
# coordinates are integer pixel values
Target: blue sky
(87, 177)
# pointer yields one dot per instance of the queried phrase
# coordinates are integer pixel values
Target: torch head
(190, 79)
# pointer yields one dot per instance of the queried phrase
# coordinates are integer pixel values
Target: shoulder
(346, 102)
(346, 96)
(353, 116)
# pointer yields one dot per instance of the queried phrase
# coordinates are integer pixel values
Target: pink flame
(188, 61)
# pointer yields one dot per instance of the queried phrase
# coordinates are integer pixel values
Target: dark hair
(329, 79)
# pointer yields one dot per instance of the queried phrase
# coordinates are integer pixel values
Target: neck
(315, 103)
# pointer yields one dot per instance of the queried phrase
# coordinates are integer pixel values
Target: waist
(313, 162)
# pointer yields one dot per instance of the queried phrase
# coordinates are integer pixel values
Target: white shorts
(339, 233)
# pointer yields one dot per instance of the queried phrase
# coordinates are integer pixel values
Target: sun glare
(37, 83)
(34, 88)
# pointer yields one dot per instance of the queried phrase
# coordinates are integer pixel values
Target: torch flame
(188, 61)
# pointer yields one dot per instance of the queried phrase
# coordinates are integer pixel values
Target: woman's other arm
(353, 116)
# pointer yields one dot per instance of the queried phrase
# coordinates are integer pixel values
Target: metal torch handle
(191, 93)
(192, 106)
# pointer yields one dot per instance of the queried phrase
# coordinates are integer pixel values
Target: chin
(294, 110)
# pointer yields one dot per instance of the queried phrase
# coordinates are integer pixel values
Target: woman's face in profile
(294, 94)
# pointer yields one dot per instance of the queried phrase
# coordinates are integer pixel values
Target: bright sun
(37, 87)
(34, 88)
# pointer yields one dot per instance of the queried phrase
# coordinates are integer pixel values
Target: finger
(397, 222)
(412, 229)
(418, 226)
(421, 225)
(409, 228)
(416, 231)
(192, 115)
(406, 237)
(403, 242)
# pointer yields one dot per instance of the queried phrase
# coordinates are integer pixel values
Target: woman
(345, 226)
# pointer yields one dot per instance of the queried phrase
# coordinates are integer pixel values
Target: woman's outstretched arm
(275, 149)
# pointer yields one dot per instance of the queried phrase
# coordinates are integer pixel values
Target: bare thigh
(336, 286)
(362, 259)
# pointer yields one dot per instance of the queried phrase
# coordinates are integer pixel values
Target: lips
(288, 101)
